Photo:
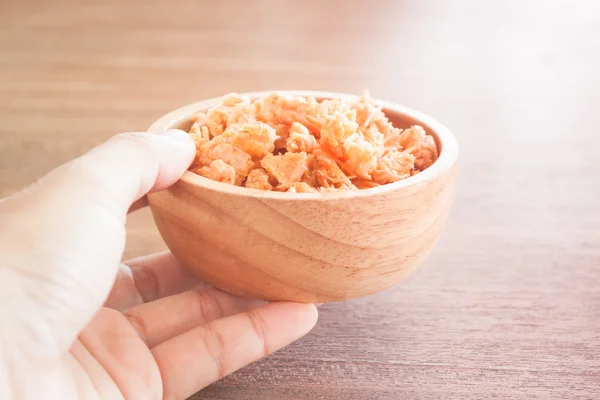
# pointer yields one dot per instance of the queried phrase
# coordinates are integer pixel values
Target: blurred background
(509, 301)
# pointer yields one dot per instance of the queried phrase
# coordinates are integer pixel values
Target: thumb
(114, 174)
(125, 168)
(63, 237)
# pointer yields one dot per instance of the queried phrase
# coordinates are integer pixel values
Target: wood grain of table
(508, 303)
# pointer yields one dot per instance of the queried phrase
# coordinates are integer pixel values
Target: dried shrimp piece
(221, 150)
(392, 140)
(233, 99)
(218, 118)
(277, 109)
(301, 187)
(234, 109)
(328, 174)
(334, 134)
(372, 135)
(199, 134)
(364, 183)
(219, 171)
(200, 118)
(286, 168)
(361, 157)
(310, 174)
(369, 114)
(393, 166)
(242, 113)
(255, 138)
(300, 139)
(342, 188)
(258, 179)
(416, 142)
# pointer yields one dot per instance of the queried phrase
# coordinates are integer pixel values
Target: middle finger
(165, 318)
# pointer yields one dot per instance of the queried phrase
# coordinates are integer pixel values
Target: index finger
(195, 359)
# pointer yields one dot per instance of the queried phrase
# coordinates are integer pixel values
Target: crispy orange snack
(256, 139)
(286, 168)
(219, 171)
(300, 139)
(392, 167)
(258, 179)
(301, 145)
(420, 145)
(221, 150)
(301, 187)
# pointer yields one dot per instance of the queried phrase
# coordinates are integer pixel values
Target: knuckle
(259, 327)
(216, 347)
(137, 149)
(139, 146)
(135, 138)
(146, 283)
(138, 324)
(208, 304)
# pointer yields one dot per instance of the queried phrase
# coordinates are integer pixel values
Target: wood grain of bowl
(306, 247)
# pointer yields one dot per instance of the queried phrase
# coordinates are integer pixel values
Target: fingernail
(178, 135)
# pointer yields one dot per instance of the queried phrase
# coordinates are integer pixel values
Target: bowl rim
(445, 161)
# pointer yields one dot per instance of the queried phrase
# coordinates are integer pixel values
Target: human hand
(75, 323)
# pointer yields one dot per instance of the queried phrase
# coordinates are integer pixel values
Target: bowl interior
(398, 119)
(400, 116)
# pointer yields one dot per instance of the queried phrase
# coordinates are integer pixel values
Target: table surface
(508, 303)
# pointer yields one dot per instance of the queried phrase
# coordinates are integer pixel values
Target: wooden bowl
(306, 247)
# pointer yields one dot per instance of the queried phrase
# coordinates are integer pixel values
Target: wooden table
(507, 305)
